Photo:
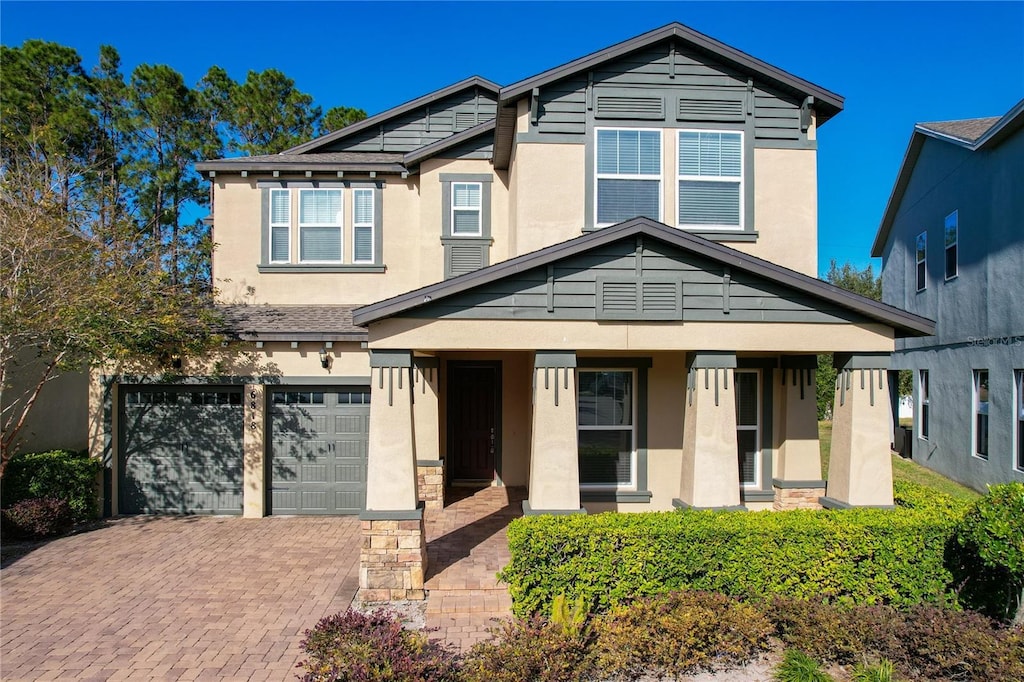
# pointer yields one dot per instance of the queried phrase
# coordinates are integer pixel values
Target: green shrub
(916, 496)
(37, 518)
(64, 474)
(857, 556)
(993, 530)
(355, 647)
(676, 634)
(531, 649)
(796, 666)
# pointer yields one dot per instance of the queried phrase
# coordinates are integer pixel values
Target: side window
(924, 398)
(320, 225)
(628, 182)
(363, 246)
(952, 241)
(748, 426)
(466, 208)
(606, 429)
(921, 251)
(981, 403)
(280, 225)
(465, 222)
(1018, 411)
(711, 180)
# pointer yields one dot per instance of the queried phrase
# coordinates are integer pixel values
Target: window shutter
(630, 106)
(320, 244)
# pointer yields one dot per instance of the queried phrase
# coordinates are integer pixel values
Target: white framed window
(710, 180)
(1018, 426)
(923, 404)
(748, 425)
(320, 225)
(628, 174)
(921, 253)
(952, 239)
(606, 421)
(981, 405)
(466, 209)
(362, 226)
(280, 225)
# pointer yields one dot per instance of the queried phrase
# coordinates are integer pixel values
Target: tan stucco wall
(550, 185)
(587, 335)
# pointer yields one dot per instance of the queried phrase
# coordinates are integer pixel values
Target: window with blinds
(362, 226)
(466, 205)
(748, 425)
(606, 428)
(280, 225)
(628, 175)
(710, 179)
(320, 225)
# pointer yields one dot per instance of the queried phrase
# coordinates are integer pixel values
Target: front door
(473, 408)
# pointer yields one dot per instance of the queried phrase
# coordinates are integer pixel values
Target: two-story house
(597, 283)
(952, 246)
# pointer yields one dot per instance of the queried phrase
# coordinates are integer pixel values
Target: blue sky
(895, 63)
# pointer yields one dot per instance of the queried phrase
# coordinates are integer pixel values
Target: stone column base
(430, 482)
(798, 494)
(393, 558)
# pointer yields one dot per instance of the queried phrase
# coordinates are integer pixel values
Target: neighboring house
(952, 248)
(597, 283)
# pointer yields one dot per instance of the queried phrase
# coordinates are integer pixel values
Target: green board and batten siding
(573, 291)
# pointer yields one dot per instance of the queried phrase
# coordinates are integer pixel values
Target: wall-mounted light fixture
(324, 360)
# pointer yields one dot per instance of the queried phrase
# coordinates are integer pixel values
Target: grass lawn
(902, 469)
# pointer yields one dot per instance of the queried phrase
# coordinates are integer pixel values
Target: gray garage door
(318, 442)
(180, 450)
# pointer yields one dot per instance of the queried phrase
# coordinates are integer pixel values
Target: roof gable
(584, 265)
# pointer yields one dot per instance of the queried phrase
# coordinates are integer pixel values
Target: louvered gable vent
(639, 298)
(463, 258)
(630, 106)
(709, 109)
(464, 120)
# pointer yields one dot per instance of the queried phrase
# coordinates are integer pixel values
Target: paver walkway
(466, 545)
(175, 598)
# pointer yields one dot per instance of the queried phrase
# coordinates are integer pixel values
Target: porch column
(798, 483)
(554, 454)
(860, 466)
(429, 467)
(711, 471)
(254, 492)
(393, 558)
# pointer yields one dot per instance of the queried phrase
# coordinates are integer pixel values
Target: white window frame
(1018, 420)
(924, 399)
(955, 215)
(919, 260)
(756, 483)
(340, 224)
(975, 411)
(712, 178)
(626, 176)
(465, 209)
(369, 225)
(287, 224)
(633, 429)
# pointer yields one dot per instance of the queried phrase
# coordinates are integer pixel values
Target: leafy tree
(337, 118)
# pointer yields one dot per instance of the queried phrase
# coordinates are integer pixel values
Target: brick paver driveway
(175, 598)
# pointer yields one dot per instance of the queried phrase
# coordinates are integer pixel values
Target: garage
(180, 449)
(318, 445)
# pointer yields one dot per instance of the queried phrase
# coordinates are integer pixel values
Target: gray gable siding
(564, 107)
(573, 290)
(424, 125)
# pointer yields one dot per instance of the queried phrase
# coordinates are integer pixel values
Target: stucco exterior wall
(550, 194)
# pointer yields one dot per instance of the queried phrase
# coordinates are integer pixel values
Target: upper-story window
(466, 208)
(922, 261)
(280, 225)
(952, 240)
(710, 179)
(628, 174)
(362, 226)
(320, 225)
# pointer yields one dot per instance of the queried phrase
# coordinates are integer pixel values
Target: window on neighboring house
(628, 175)
(924, 403)
(951, 244)
(981, 405)
(607, 433)
(320, 225)
(922, 261)
(1018, 411)
(710, 179)
(362, 226)
(280, 225)
(748, 426)
(466, 209)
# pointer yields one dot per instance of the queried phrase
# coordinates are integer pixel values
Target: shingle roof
(291, 322)
(379, 161)
(968, 129)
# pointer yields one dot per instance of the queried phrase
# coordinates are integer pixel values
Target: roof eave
(896, 196)
(300, 166)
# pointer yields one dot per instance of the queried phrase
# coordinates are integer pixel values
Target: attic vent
(463, 258)
(619, 296)
(660, 297)
(710, 110)
(464, 120)
(645, 298)
(610, 106)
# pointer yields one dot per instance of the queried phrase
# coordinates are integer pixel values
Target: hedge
(855, 556)
(61, 474)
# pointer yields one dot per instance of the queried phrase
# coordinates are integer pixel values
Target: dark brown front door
(473, 409)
